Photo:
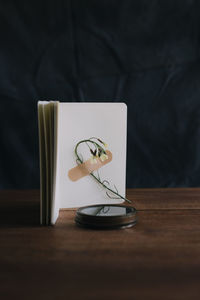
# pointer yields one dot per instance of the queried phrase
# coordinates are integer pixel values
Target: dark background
(145, 53)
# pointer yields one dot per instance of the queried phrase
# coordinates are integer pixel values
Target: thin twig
(102, 183)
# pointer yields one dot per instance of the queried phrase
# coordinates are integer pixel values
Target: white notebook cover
(78, 121)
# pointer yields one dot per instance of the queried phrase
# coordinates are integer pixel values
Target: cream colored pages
(47, 113)
(42, 162)
(55, 205)
(47, 200)
(78, 121)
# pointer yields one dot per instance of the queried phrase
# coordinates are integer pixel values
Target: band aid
(87, 167)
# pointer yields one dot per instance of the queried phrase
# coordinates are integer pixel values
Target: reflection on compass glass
(105, 210)
(106, 216)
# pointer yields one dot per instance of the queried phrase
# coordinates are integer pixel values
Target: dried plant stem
(102, 183)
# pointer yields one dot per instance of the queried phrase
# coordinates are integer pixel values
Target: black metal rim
(91, 221)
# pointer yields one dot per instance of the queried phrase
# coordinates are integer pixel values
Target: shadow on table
(19, 208)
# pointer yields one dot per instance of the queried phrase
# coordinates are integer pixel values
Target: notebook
(63, 183)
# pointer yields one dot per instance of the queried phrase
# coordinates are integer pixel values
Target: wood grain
(159, 258)
(165, 198)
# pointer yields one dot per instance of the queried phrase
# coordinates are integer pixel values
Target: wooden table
(159, 258)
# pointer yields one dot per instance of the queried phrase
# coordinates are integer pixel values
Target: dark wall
(145, 53)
